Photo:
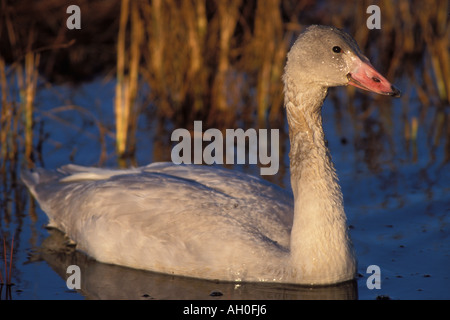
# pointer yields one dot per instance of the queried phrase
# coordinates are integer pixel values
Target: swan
(213, 223)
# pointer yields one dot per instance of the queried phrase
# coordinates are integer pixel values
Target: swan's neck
(319, 239)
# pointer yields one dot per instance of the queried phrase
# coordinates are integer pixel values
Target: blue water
(396, 193)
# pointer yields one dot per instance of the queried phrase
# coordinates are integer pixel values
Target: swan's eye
(337, 49)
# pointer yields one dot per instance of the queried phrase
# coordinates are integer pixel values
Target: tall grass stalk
(120, 104)
(222, 61)
(5, 117)
(8, 267)
(31, 77)
(127, 78)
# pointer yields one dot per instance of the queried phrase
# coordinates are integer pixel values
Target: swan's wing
(163, 200)
(236, 184)
(231, 182)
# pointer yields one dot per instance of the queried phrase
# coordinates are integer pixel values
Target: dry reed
(8, 266)
(27, 89)
(127, 78)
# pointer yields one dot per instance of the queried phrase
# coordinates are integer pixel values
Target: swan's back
(189, 220)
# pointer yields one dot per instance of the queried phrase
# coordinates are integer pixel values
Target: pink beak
(366, 77)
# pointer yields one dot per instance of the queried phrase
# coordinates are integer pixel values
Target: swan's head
(328, 57)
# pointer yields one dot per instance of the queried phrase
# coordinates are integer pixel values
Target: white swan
(204, 222)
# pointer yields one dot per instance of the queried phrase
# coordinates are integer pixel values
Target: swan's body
(214, 223)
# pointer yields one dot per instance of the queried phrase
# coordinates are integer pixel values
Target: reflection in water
(104, 281)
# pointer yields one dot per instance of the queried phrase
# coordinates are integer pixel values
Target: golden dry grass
(221, 61)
